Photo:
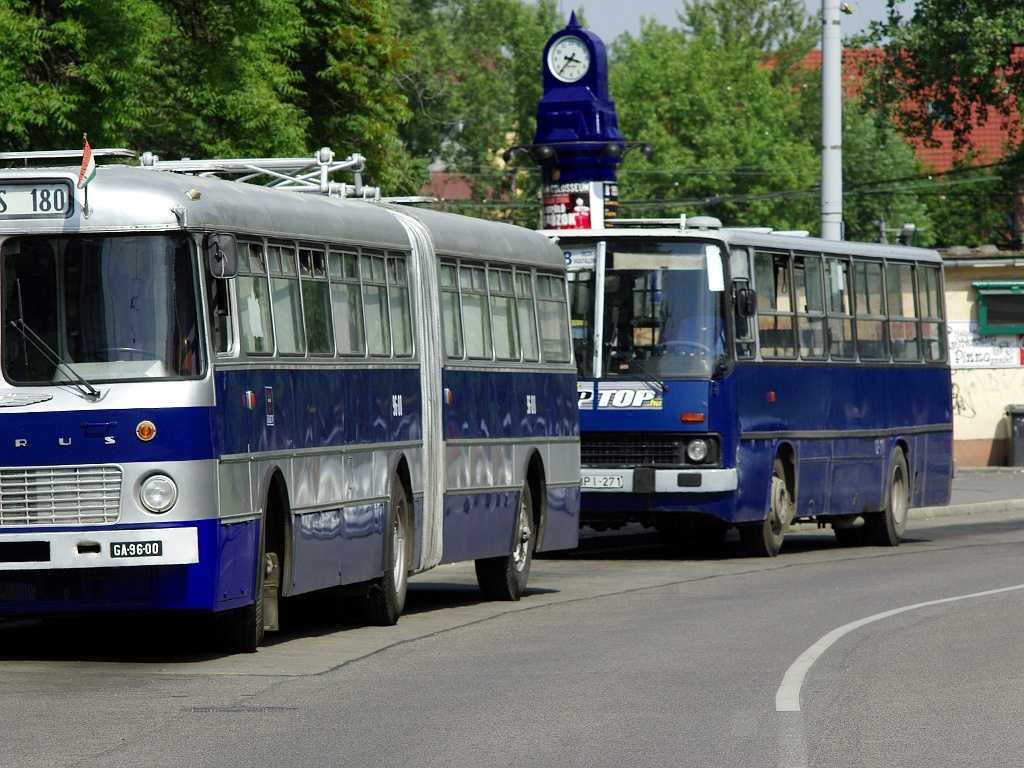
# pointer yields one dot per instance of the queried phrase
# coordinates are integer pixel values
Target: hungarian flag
(88, 166)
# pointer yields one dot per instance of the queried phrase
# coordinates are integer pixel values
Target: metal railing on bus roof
(303, 174)
(299, 173)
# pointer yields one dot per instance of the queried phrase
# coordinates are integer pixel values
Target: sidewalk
(979, 490)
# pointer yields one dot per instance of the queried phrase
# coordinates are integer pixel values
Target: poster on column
(578, 204)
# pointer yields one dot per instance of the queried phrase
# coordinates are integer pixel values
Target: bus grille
(59, 495)
(637, 449)
(625, 449)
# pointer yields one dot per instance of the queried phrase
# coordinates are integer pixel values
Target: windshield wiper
(87, 389)
(654, 380)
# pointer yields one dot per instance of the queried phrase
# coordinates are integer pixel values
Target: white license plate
(601, 481)
(136, 549)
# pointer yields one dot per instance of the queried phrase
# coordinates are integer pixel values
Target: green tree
(74, 67)
(226, 85)
(473, 83)
(952, 65)
(206, 78)
(728, 142)
(351, 64)
(739, 139)
(782, 29)
(971, 205)
(881, 178)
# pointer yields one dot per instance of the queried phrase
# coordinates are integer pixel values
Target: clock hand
(570, 59)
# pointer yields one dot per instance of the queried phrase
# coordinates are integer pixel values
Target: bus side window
(284, 287)
(398, 301)
(316, 301)
(933, 326)
(220, 316)
(254, 300)
(553, 309)
(903, 337)
(375, 304)
(503, 314)
(346, 303)
(775, 326)
(451, 311)
(526, 316)
(810, 306)
(840, 318)
(475, 315)
(868, 293)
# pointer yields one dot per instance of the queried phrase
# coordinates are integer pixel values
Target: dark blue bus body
(750, 379)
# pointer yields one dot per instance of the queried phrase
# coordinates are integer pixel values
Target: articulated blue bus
(741, 377)
(219, 394)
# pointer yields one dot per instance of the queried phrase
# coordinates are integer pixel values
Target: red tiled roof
(988, 141)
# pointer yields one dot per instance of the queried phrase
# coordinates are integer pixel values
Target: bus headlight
(158, 494)
(697, 450)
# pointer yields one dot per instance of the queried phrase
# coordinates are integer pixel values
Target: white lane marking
(787, 698)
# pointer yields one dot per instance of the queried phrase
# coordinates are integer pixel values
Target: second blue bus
(738, 377)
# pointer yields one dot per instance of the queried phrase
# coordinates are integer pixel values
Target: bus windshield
(110, 308)
(661, 318)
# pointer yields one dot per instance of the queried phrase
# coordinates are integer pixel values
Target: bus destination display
(35, 200)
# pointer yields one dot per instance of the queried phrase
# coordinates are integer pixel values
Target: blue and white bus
(219, 394)
(742, 377)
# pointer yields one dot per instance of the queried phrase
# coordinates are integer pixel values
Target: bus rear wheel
(386, 599)
(764, 539)
(504, 578)
(886, 528)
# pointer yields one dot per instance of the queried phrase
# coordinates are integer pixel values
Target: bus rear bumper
(645, 480)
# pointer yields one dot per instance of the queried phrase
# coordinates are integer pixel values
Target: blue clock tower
(578, 145)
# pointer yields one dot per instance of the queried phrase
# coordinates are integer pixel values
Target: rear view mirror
(221, 255)
(746, 302)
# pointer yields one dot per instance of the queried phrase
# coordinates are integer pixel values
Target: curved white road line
(787, 698)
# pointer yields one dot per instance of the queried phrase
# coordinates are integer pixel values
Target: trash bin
(1015, 454)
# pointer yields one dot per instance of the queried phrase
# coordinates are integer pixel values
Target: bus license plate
(602, 481)
(136, 548)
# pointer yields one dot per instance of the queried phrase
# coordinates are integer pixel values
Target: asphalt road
(620, 654)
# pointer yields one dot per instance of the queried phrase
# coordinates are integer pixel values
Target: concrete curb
(965, 510)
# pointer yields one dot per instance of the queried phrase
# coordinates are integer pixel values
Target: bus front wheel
(242, 629)
(764, 538)
(886, 528)
(504, 578)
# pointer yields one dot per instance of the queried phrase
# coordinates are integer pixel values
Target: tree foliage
(782, 29)
(204, 78)
(473, 84)
(723, 135)
(952, 65)
(740, 140)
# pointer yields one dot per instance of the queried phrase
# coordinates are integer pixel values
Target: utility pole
(831, 122)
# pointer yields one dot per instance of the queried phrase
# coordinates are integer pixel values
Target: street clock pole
(577, 145)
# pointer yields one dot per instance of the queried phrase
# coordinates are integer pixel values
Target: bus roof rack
(302, 174)
(48, 155)
(682, 222)
(679, 221)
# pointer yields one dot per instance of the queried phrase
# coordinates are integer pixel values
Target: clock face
(569, 59)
